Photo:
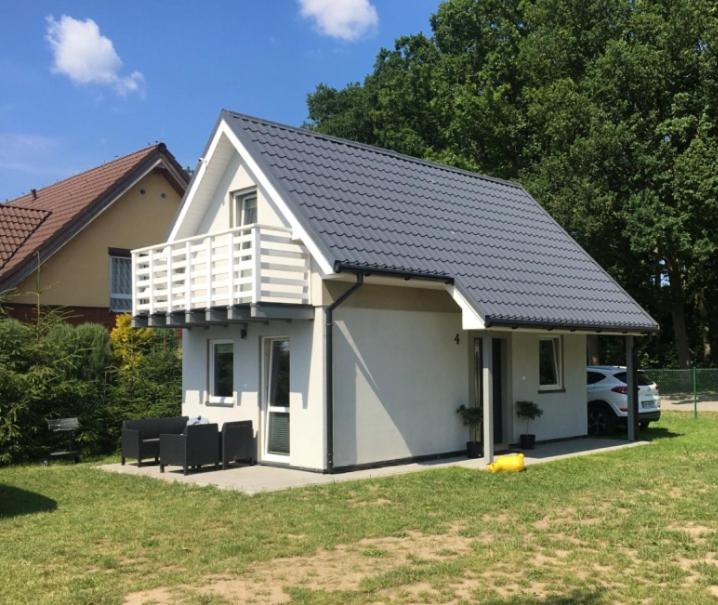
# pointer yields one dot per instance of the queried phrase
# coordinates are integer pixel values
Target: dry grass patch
(340, 569)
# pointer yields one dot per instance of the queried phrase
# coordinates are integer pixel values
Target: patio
(258, 478)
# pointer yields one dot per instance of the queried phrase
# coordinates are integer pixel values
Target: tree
(606, 110)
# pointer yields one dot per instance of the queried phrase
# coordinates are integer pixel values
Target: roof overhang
(473, 319)
(558, 327)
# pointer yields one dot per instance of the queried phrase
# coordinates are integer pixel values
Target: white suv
(608, 399)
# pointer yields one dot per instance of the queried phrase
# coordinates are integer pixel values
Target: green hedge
(51, 369)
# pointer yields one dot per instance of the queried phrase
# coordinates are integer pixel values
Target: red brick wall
(74, 315)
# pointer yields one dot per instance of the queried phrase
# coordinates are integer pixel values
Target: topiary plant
(529, 411)
(472, 417)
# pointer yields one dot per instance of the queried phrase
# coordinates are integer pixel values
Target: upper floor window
(120, 280)
(550, 364)
(245, 208)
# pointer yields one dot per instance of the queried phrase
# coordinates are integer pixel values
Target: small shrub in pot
(472, 416)
(528, 411)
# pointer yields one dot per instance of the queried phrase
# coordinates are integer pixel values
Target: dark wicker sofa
(197, 446)
(141, 438)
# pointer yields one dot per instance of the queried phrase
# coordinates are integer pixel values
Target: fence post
(695, 392)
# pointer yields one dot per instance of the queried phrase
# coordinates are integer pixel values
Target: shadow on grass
(659, 432)
(650, 434)
(575, 597)
(15, 502)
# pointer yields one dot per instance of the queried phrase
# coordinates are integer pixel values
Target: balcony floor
(225, 315)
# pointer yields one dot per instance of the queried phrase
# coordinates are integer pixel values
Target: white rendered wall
(564, 412)
(219, 209)
(399, 377)
(306, 436)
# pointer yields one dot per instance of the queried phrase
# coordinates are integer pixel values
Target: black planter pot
(527, 442)
(473, 449)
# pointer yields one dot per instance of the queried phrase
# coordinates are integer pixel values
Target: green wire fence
(686, 387)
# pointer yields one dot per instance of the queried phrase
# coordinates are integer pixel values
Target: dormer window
(245, 208)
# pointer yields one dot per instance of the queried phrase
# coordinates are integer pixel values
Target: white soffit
(470, 319)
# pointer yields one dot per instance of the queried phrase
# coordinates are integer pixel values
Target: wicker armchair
(197, 446)
(238, 442)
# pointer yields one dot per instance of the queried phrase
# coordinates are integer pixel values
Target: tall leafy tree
(605, 109)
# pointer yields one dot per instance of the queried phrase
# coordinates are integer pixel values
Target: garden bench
(64, 430)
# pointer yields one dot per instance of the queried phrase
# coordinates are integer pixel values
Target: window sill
(557, 390)
(219, 404)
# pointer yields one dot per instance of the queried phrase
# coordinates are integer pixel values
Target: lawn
(638, 525)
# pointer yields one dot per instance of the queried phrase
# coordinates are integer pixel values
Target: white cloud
(85, 56)
(345, 19)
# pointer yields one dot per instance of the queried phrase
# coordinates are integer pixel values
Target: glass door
(496, 360)
(277, 397)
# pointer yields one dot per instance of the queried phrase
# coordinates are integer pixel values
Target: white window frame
(238, 199)
(558, 362)
(268, 409)
(216, 399)
(119, 295)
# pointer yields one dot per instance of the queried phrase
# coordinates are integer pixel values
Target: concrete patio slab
(254, 479)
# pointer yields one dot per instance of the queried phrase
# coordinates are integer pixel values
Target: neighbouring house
(68, 245)
(347, 299)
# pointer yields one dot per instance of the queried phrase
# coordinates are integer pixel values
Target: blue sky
(77, 93)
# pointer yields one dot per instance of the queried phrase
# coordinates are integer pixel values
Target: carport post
(632, 389)
(487, 397)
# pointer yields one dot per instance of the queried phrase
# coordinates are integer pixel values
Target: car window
(594, 377)
(643, 379)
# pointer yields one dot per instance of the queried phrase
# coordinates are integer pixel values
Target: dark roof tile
(378, 209)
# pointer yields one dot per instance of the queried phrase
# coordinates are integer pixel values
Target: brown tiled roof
(16, 225)
(66, 206)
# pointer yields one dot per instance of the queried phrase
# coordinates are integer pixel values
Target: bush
(149, 375)
(51, 369)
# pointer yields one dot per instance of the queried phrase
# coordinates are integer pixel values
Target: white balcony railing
(246, 265)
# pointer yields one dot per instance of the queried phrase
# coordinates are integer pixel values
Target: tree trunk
(678, 312)
(705, 328)
(593, 350)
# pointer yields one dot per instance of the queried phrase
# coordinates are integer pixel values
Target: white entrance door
(276, 398)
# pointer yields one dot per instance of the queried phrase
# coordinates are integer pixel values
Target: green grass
(638, 525)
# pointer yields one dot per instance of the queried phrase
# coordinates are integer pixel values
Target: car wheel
(643, 425)
(600, 420)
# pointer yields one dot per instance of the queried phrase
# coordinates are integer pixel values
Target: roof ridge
(373, 148)
(158, 146)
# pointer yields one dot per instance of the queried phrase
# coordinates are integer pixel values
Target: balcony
(252, 272)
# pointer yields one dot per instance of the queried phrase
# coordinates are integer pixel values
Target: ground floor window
(277, 396)
(550, 364)
(120, 280)
(221, 371)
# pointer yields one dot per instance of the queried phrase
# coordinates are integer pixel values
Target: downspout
(329, 386)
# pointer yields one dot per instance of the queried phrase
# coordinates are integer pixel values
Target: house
(347, 299)
(68, 245)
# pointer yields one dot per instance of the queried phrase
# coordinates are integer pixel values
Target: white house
(347, 299)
